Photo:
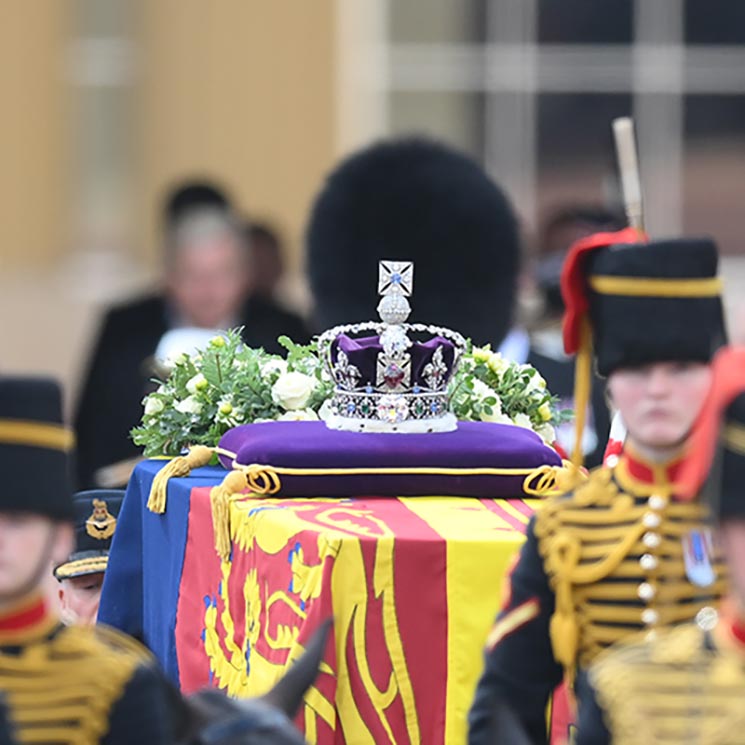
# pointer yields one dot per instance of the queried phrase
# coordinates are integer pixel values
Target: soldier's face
(659, 402)
(80, 597)
(28, 543)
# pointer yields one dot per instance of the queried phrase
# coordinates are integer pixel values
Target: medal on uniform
(698, 550)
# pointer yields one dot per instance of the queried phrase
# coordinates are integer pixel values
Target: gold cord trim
(656, 287)
(582, 388)
(84, 566)
(36, 434)
(265, 480)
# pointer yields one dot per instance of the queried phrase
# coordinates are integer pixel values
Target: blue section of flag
(144, 603)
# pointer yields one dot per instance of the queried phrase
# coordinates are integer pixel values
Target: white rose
(547, 433)
(153, 405)
(496, 417)
(523, 420)
(273, 366)
(189, 405)
(197, 383)
(292, 390)
(481, 390)
(298, 415)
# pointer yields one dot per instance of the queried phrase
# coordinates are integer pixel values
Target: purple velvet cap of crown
(313, 445)
(363, 354)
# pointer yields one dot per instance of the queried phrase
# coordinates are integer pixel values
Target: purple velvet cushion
(288, 446)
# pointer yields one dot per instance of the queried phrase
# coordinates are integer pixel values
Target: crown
(389, 382)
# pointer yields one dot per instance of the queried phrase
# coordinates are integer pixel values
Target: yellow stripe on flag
(479, 549)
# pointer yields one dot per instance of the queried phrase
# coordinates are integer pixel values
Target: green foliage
(488, 387)
(228, 384)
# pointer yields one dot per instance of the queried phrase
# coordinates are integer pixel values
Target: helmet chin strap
(28, 587)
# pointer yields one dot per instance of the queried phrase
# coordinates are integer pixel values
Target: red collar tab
(29, 615)
(645, 476)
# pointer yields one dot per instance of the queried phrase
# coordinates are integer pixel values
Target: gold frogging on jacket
(609, 578)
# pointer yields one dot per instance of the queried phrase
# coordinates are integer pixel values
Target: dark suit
(117, 379)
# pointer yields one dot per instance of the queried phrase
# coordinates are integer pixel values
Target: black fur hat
(422, 201)
(34, 449)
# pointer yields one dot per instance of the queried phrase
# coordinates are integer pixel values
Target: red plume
(574, 281)
(728, 381)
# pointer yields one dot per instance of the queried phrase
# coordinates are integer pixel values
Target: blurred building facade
(107, 102)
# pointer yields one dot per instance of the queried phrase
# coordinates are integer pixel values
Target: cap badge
(101, 524)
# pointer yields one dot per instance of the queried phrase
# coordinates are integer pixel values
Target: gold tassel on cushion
(546, 481)
(198, 456)
(234, 483)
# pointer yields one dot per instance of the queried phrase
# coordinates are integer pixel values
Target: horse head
(214, 719)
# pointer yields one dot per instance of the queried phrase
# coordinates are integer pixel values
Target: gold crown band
(656, 287)
(733, 437)
(36, 434)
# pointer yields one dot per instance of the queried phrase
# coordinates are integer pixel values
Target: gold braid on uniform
(677, 689)
(592, 545)
(62, 690)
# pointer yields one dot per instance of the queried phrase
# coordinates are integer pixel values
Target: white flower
(482, 391)
(497, 364)
(496, 417)
(325, 411)
(546, 433)
(273, 366)
(523, 420)
(536, 382)
(153, 405)
(298, 415)
(292, 390)
(189, 405)
(481, 354)
(197, 383)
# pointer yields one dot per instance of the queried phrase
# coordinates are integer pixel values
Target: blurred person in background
(81, 576)
(206, 284)
(415, 200)
(267, 260)
(543, 348)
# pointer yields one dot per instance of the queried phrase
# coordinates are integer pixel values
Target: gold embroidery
(101, 524)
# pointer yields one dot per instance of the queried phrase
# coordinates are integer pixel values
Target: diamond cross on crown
(395, 278)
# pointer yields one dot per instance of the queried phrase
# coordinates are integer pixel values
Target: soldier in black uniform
(620, 553)
(688, 684)
(61, 685)
(81, 575)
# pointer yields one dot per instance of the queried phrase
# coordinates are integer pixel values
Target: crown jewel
(389, 382)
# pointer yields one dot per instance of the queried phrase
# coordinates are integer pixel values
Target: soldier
(688, 683)
(620, 553)
(61, 684)
(81, 576)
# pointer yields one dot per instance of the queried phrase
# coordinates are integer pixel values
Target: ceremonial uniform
(686, 685)
(620, 553)
(62, 685)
